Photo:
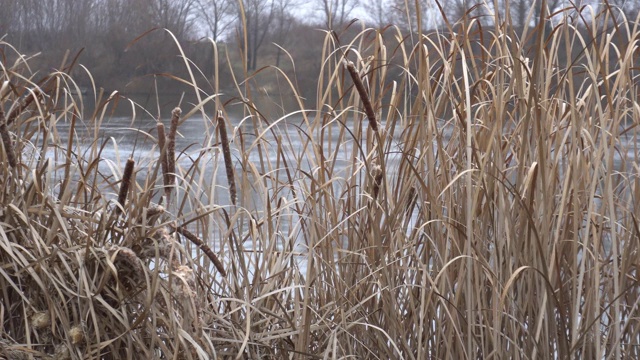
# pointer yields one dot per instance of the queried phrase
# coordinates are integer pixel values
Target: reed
(497, 219)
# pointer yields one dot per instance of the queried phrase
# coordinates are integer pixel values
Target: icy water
(122, 137)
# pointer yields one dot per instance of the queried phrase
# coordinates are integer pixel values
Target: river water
(122, 137)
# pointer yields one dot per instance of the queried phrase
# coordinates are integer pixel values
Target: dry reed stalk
(125, 184)
(204, 247)
(226, 153)
(6, 141)
(364, 95)
(171, 147)
(162, 142)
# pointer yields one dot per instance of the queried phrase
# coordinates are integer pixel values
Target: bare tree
(405, 14)
(627, 8)
(526, 13)
(378, 12)
(284, 21)
(174, 15)
(336, 12)
(217, 15)
(9, 18)
(256, 20)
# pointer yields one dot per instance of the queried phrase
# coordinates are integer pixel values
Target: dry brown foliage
(492, 214)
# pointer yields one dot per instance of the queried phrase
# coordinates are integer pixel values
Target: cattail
(171, 146)
(6, 141)
(226, 153)
(154, 210)
(127, 261)
(411, 200)
(376, 174)
(40, 320)
(163, 157)
(160, 241)
(76, 335)
(204, 247)
(125, 184)
(364, 95)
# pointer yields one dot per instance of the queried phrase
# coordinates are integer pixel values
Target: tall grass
(491, 213)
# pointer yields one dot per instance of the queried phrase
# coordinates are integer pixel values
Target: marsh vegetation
(469, 193)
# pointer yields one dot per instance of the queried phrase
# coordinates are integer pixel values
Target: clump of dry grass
(77, 280)
(494, 218)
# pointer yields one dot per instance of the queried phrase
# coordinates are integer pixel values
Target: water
(121, 137)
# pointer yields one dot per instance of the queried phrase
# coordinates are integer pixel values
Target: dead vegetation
(490, 212)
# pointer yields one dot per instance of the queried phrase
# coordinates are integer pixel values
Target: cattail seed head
(76, 335)
(226, 153)
(125, 184)
(364, 95)
(162, 144)
(376, 174)
(6, 141)
(40, 320)
(171, 146)
(204, 247)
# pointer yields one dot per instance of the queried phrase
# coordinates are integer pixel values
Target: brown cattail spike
(204, 247)
(226, 153)
(364, 95)
(171, 146)
(162, 143)
(125, 184)
(6, 142)
(376, 174)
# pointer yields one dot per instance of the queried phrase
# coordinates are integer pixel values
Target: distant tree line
(108, 30)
